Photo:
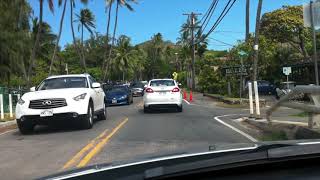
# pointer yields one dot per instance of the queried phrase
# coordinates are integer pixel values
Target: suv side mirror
(32, 89)
(96, 85)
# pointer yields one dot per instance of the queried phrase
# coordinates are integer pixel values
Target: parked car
(78, 97)
(264, 87)
(137, 88)
(284, 88)
(162, 93)
(118, 95)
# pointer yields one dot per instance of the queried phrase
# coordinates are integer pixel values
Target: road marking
(89, 146)
(100, 145)
(233, 128)
(186, 101)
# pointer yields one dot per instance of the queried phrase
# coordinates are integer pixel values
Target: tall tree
(86, 20)
(36, 43)
(72, 5)
(285, 25)
(108, 8)
(256, 42)
(128, 6)
(59, 35)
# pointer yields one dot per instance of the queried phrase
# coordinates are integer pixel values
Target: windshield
(88, 82)
(65, 82)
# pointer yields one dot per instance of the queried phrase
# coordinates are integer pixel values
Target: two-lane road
(127, 134)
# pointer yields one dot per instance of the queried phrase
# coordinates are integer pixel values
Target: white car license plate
(114, 101)
(162, 93)
(46, 113)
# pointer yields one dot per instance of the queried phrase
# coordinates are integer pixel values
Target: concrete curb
(5, 126)
(231, 101)
(293, 130)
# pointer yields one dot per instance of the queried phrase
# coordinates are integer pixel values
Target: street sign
(242, 53)
(236, 71)
(286, 70)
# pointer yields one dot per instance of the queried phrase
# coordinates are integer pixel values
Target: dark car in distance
(137, 88)
(118, 95)
(264, 87)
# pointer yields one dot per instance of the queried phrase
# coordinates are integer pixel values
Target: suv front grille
(47, 103)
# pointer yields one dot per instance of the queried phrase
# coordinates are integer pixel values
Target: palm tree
(124, 53)
(119, 3)
(59, 35)
(85, 20)
(108, 8)
(36, 43)
(72, 5)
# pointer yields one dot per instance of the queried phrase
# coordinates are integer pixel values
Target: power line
(222, 42)
(205, 14)
(210, 16)
(222, 15)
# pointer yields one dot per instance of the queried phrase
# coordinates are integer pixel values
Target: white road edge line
(8, 131)
(235, 129)
(186, 101)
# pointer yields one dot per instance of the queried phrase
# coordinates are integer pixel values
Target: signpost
(287, 71)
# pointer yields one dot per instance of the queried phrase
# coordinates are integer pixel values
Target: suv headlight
(81, 96)
(124, 96)
(21, 102)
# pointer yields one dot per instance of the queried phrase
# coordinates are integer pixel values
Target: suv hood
(54, 93)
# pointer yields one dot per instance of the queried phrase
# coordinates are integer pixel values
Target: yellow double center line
(94, 147)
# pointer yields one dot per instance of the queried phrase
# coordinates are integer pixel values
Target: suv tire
(25, 127)
(180, 108)
(103, 114)
(87, 121)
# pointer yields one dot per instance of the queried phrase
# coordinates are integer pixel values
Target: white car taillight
(175, 89)
(149, 90)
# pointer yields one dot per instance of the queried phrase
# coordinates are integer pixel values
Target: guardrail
(312, 109)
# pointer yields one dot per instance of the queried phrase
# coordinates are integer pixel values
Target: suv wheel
(179, 108)
(25, 127)
(88, 120)
(103, 114)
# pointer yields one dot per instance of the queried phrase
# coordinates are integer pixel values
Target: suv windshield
(65, 82)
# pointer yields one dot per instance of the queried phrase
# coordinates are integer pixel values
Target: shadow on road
(58, 127)
(159, 111)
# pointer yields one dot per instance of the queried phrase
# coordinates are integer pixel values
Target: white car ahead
(74, 98)
(163, 94)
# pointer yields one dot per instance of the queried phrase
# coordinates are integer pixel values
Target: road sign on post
(287, 72)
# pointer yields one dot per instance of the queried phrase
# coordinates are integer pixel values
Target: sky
(165, 16)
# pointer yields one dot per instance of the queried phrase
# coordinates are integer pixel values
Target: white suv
(75, 97)
(162, 93)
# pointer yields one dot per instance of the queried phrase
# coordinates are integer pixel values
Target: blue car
(118, 95)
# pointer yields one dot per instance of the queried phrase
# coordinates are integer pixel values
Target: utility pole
(256, 42)
(192, 16)
(315, 58)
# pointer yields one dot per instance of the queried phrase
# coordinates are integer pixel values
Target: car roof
(160, 79)
(68, 75)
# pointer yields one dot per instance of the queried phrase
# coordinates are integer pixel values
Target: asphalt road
(127, 134)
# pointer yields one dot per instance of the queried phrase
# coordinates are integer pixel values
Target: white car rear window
(162, 83)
